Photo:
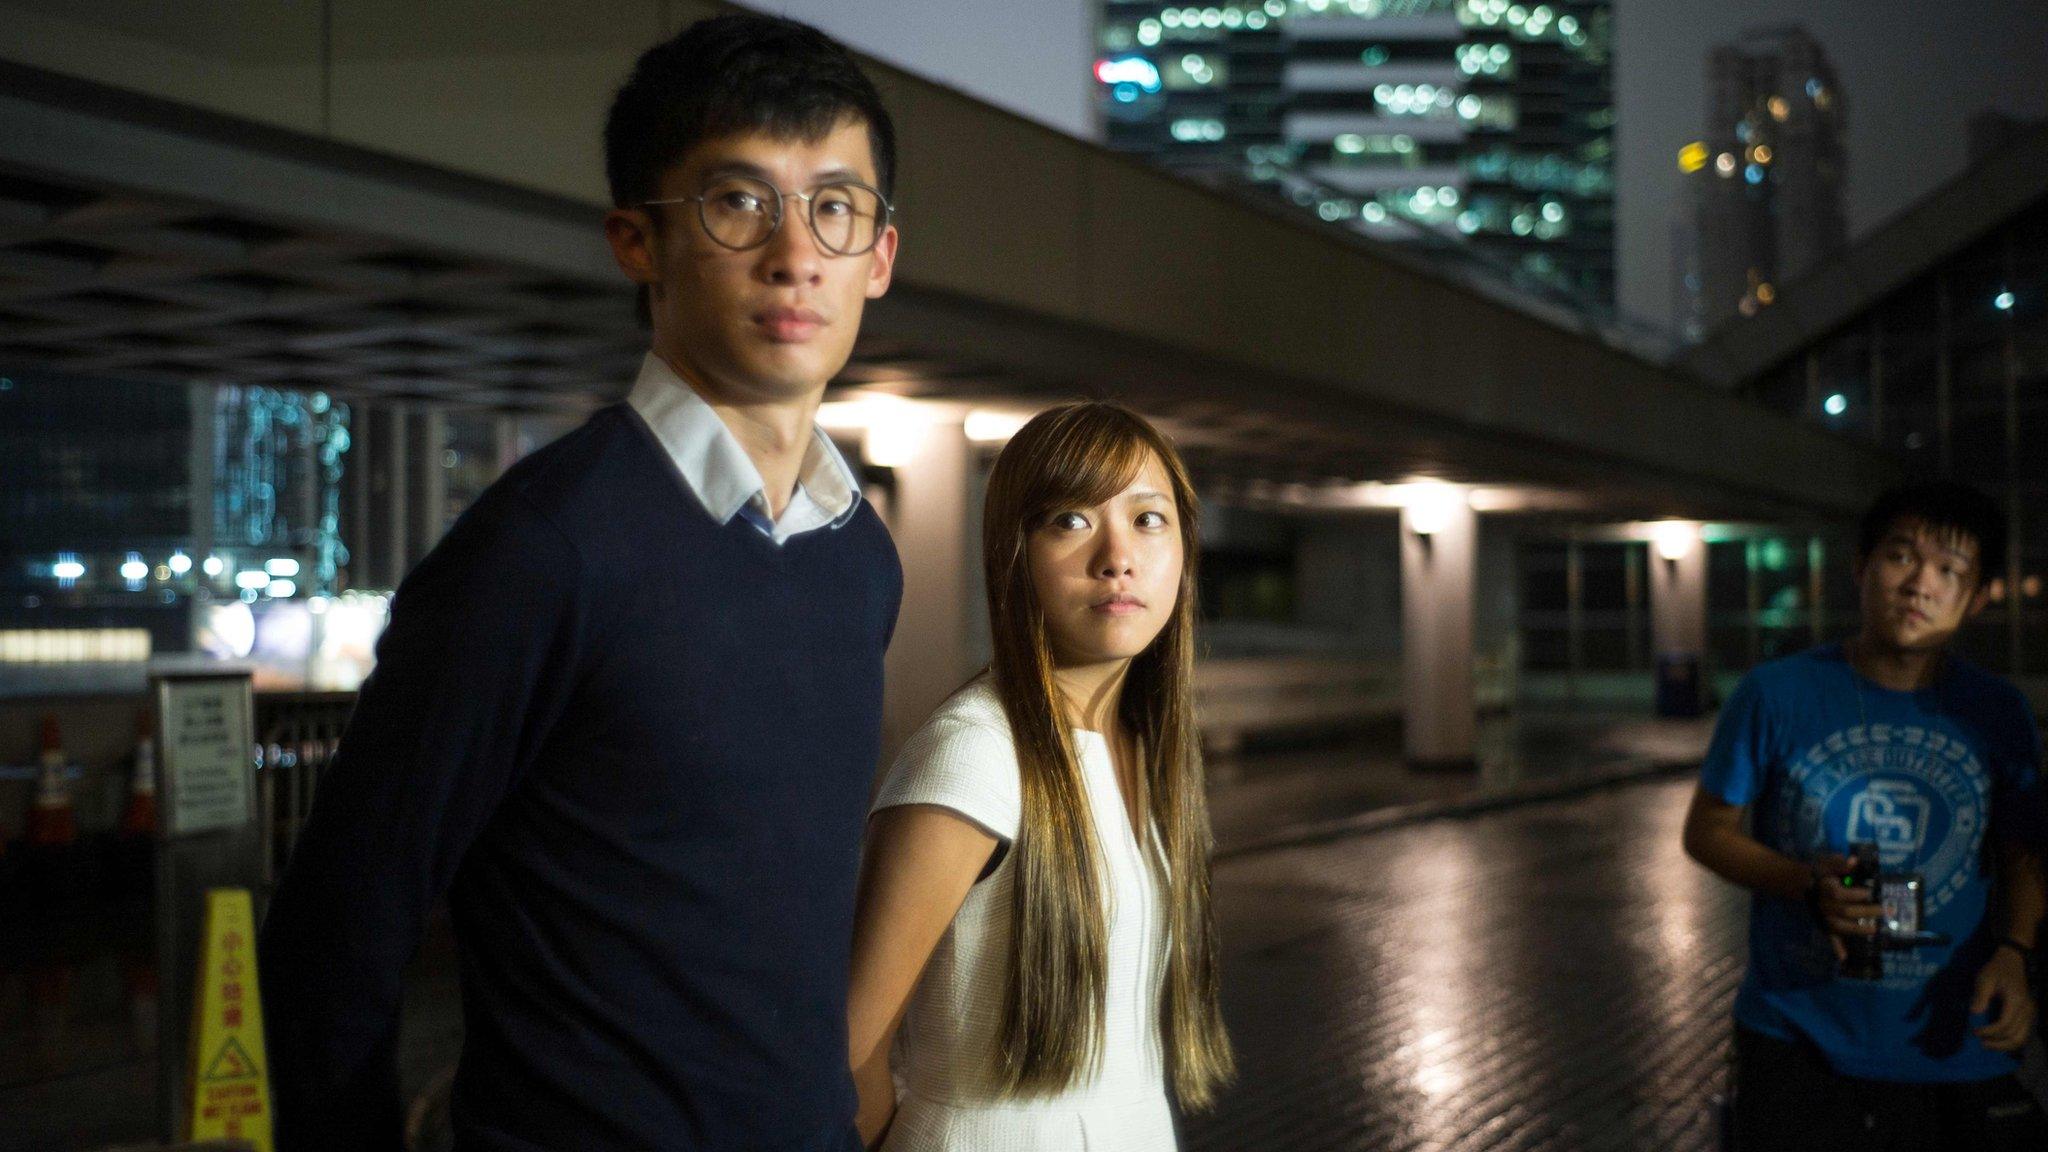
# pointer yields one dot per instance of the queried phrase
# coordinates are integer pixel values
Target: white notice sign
(208, 753)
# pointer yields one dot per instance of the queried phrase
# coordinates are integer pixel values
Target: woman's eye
(1152, 520)
(1070, 521)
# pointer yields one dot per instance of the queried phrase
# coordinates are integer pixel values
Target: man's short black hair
(740, 72)
(1949, 509)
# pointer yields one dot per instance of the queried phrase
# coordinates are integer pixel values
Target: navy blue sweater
(633, 747)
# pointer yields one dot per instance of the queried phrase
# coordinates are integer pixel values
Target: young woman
(1033, 938)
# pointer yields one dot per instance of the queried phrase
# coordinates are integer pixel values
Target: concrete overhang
(1035, 266)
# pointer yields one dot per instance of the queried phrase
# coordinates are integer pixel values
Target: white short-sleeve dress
(963, 759)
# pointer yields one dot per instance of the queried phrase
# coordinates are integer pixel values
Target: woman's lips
(1122, 606)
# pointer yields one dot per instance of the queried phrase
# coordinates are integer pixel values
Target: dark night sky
(1913, 73)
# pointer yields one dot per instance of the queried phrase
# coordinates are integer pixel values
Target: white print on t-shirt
(1920, 796)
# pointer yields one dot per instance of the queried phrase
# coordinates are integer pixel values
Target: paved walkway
(1551, 976)
(1360, 780)
(1555, 976)
(1521, 974)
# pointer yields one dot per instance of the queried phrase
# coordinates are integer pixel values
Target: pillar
(426, 508)
(505, 441)
(1678, 613)
(384, 526)
(199, 478)
(1439, 539)
(356, 518)
(932, 652)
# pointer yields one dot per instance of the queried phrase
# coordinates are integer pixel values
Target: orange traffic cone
(52, 822)
(138, 818)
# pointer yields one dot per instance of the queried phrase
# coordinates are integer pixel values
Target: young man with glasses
(627, 713)
(1883, 1003)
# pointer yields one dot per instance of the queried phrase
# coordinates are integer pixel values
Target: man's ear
(630, 232)
(882, 263)
(1979, 598)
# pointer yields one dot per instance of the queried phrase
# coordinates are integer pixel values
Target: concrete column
(199, 470)
(933, 649)
(390, 485)
(426, 510)
(1437, 577)
(505, 441)
(1678, 600)
(199, 481)
(1678, 605)
(356, 517)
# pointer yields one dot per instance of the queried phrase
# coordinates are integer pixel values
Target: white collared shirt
(719, 473)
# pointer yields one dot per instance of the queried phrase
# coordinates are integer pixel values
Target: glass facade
(110, 553)
(1767, 179)
(1949, 372)
(1482, 125)
(278, 462)
(94, 505)
(1585, 604)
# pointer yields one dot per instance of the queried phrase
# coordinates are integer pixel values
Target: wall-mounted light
(988, 426)
(892, 428)
(1430, 504)
(1674, 539)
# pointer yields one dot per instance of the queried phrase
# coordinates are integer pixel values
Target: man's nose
(792, 255)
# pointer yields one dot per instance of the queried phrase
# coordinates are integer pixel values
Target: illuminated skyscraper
(1768, 176)
(1484, 123)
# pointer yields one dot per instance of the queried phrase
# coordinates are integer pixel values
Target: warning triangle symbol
(230, 1063)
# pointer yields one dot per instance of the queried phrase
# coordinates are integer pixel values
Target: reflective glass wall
(1950, 373)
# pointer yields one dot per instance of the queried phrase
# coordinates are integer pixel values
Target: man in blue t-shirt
(1888, 741)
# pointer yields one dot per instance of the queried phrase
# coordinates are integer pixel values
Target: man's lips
(788, 325)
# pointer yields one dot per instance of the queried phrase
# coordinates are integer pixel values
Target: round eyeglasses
(740, 212)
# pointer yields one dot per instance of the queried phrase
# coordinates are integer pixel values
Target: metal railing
(297, 735)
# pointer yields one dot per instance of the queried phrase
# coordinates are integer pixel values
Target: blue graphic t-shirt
(1825, 758)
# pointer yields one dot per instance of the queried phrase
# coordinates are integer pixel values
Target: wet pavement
(1549, 976)
(1359, 780)
(1515, 957)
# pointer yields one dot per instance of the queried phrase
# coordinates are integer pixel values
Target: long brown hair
(1076, 456)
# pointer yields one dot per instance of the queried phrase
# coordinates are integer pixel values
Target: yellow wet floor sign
(228, 1095)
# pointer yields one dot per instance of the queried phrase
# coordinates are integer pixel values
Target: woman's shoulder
(961, 758)
(975, 703)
